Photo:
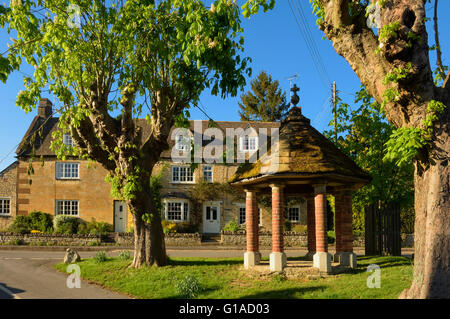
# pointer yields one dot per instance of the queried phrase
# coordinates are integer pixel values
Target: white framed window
(5, 206)
(208, 174)
(67, 139)
(294, 214)
(241, 215)
(182, 174)
(177, 210)
(67, 207)
(67, 170)
(249, 143)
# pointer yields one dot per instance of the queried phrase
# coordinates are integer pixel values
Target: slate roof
(45, 127)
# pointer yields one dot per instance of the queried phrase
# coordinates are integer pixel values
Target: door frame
(219, 215)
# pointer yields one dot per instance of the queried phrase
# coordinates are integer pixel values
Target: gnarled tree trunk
(432, 226)
(149, 245)
(405, 47)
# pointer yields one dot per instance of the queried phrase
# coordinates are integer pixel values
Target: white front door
(211, 218)
(120, 217)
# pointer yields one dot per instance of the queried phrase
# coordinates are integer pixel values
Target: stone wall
(407, 240)
(291, 239)
(49, 239)
(8, 190)
(91, 190)
(171, 239)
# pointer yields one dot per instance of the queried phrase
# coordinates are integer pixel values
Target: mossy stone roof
(302, 151)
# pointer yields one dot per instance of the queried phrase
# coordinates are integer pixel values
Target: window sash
(242, 215)
(207, 173)
(294, 214)
(67, 207)
(67, 140)
(249, 143)
(182, 174)
(177, 211)
(67, 170)
(5, 206)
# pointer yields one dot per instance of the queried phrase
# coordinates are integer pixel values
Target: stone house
(38, 181)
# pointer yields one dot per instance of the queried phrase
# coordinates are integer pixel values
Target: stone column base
(277, 261)
(336, 257)
(347, 259)
(309, 255)
(251, 259)
(322, 261)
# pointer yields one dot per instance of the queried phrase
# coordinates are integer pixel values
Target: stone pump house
(309, 166)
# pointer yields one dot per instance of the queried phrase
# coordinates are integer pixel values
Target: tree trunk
(149, 245)
(432, 225)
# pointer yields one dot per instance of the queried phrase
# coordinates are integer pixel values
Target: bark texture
(351, 37)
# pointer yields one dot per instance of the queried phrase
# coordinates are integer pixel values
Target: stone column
(322, 259)
(252, 256)
(278, 258)
(339, 209)
(311, 226)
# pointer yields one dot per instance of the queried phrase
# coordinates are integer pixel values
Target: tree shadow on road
(7, 292)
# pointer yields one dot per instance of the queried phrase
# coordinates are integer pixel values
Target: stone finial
(295, 98)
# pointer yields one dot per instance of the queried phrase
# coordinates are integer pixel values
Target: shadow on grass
(381, 261)
(204, 262)
(289, 293)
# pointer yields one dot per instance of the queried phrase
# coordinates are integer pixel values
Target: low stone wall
(408, 240)
(49, 239)
(171, 239)
(291, 239)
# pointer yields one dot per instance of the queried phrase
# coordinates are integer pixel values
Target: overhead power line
(300, 18)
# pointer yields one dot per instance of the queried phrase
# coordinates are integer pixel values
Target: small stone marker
(71, 256)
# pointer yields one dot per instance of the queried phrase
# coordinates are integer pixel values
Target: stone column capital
(277, 185)
(320, 188)
(250, 193)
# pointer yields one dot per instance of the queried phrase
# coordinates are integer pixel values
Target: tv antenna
(290, 79)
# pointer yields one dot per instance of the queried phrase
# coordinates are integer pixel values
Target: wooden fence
(382, 230)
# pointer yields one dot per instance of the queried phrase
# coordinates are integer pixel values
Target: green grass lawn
(225, 278)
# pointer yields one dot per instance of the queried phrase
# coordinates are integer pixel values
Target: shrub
(231, 226)
(41, 221)
(100, 257)
(94, 228)
(125, 255)
(188, 287)
(331, 236)
(65, 224)
(21, 225)
(168, 227)
(186, 227)
(300, 229)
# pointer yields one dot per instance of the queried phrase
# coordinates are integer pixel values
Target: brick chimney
(45, 108)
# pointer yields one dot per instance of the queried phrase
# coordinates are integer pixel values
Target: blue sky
(275, 44)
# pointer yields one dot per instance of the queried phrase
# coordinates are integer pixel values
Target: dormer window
(249, 143)
(183, 142)
(67, 140)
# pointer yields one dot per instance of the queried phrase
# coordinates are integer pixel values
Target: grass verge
(225, 278)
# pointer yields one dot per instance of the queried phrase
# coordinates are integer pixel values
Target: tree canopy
(264, 102)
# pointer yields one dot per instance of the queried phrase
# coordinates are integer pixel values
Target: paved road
(30, 274)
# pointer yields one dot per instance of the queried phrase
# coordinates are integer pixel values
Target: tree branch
(438, 45)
